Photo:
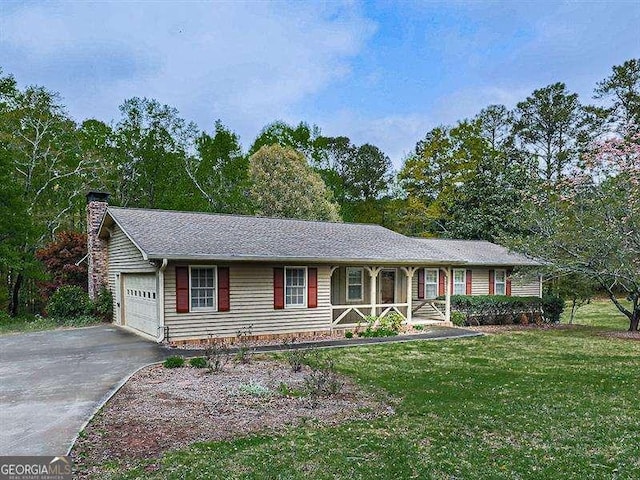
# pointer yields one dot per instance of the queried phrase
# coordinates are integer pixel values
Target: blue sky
(378, 72)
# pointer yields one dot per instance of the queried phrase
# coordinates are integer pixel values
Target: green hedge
(505, 310)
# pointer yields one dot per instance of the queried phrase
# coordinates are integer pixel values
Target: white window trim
(214, 308)
(361, 298)
(495, 281)
(463, 283)
(437, 270)
(306, 287)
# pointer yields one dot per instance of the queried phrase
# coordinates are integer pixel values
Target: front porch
(361, 290)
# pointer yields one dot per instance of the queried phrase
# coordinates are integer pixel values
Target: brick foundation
(255, 338)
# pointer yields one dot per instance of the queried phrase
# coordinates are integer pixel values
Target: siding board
(251, 302)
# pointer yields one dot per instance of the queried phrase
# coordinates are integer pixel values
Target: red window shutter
(508, 282)
(441, 285)
(278, 288)
(312, 288)
(182, 289)
(469, 282)
(421, 283)
(492, 281)
(224, 303)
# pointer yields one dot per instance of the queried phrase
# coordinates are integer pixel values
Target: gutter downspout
(163, 267)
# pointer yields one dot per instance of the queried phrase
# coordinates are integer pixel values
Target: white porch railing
(364, 310)
(437, 307)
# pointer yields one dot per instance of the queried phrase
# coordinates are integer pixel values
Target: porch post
(373, 274)
(447, 296)
(409, 271)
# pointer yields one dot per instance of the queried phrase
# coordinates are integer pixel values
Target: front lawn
(524, 404)
(599, 313)
(31, 323)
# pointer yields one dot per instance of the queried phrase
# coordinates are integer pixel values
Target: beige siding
(523, 285)
(479, 281)
(124, 257)
(251, 298)
(339, 288)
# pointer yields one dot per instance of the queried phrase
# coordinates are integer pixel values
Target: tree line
(496, 176)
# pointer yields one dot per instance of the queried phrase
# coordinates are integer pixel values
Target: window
(203, 287)
(354, 284)
(430, 282)
(459, 281)
(500, 282)
(295, 286)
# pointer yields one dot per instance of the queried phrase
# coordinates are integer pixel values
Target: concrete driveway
(51, 382)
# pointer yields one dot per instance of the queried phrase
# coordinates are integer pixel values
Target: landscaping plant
(174, 361)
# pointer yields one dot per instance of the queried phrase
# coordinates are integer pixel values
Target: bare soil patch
(161, 409)
(622, 334)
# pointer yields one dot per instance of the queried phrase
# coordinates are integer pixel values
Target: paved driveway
(51, 382)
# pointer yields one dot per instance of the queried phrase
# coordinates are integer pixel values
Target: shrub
(552, 307)
(217, 356)
(418, 327)
(254, 389)
(348, 334)
(245, 349)
(175, 361)
(322, 381)
(495, 309)
(103, 305)
(296, 357)
(198, 362)
(458, 318)
(69, 301)
(387, 326)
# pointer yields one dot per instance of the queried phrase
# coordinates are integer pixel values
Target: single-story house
(185, 276)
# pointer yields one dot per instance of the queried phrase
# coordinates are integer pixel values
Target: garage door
(140, 303)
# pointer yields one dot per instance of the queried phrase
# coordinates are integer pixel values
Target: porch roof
(196, 236)
(479, 252)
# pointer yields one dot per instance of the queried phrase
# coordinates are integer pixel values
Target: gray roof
(479, 252)
(192, 236)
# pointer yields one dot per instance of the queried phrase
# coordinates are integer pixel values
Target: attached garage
(140, 308)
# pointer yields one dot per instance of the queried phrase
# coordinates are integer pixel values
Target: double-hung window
(354, 284)
(295, 286)
(459, 281)
(430, 283)
(203, 288)
(500, 282)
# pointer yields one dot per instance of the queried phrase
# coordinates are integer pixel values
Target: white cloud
(246, 63)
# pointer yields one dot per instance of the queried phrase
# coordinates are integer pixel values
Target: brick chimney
(97, 203)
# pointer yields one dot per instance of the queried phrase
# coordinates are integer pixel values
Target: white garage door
(140, 303)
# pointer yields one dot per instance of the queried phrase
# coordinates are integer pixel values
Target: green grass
(24, 324)
(599, 313)
(523, 405)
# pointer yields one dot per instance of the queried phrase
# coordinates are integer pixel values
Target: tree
(303, 138)
(63, 261)
(283, 185)
(552, 129)
(220, 171)
(151, 143)
(577, 289)
(367, 173)
(623, 86)
(589, 225)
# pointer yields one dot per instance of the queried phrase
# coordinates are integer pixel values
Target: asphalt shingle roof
(190, 235)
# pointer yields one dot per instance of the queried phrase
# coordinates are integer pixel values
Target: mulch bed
(497, 329)
(161, 409)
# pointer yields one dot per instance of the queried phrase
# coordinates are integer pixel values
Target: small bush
(552, 307)
(103, 305)
(245, 349)
(175, 361)
(387, 326)
(348, 334)
(254, 389)
(458, 318)
(81, 321)
(217, 356)
(69, 301)
(418, 327)
(198, 362)
(296, 357)
(286, 391)
(322, 381)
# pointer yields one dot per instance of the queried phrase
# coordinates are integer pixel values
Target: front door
(388, 286)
